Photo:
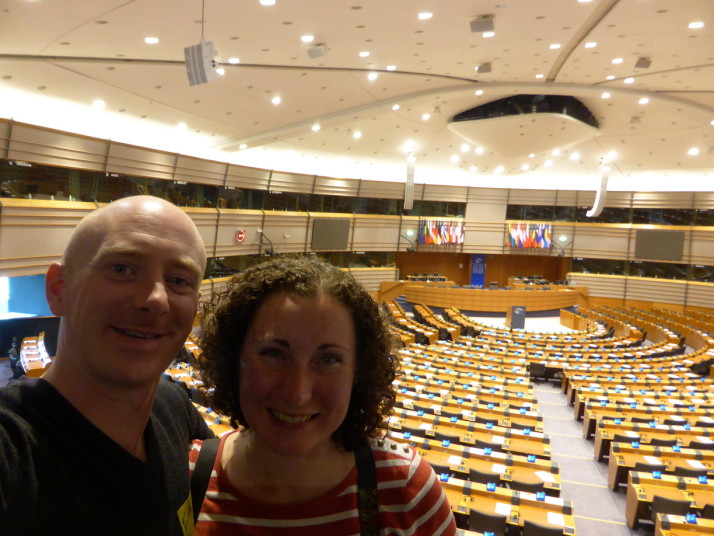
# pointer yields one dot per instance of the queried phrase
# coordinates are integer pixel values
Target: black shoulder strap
(367, 491)
(202, 474)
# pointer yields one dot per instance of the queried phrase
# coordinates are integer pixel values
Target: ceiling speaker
(482, 23)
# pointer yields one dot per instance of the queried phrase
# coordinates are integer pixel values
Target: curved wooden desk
(493, 300)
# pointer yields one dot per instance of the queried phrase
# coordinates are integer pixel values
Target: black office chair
(522, 426)
(442, 436)
(690, 471)
(621, 438)
(531, 487)
(663, 505)
(640, 419)
(486, 420)
(674, 421)
(700, 445)
(484, 478)
(537, 370)
(642, 467)
(480, 521)
(441, 469)
(532, 528)
(481, 444)
(704, 424)
(662, 442)
(708, 511)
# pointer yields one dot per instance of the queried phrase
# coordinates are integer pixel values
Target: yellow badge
(185, 514)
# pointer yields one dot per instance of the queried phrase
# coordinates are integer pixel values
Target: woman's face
(298, 364)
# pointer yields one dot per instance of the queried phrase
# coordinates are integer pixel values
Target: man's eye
(121, 269)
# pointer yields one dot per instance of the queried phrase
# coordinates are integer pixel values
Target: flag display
(441, 232)
(529, 235)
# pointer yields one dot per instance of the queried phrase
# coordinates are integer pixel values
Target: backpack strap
(202, 474)
(367, 491)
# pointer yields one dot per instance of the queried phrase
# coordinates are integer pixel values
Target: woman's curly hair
(227, 319)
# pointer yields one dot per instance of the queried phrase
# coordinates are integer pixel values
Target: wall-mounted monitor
(330, 233)
(659, 245)
(529, 235)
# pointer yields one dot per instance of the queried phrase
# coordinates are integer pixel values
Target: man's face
(129, 295)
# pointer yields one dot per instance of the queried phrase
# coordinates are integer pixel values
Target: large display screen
(529, 235)
(441, 232)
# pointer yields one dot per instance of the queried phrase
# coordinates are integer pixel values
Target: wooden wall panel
(453, 266)
(500, 267)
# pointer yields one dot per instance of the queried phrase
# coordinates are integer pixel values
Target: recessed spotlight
(465, 147)
(532, 155)
(473, 169)
(455, 159)
(478, 150)
(372, 76)
(525, 167)
(276, 100)
(555, 152)
(316, 127)
(629, 80)
(711, 122)
(220, 71)
(694, 151)
(617, 61)
(425, 117)
(610, 156)
(644, 100)
(99, 104)
(409, 146)
(486, 35)
(590, 44)
(182, 127)
(498, 170)
(307, 38)
(243, 146)
(151, 40)
(584, 1)
(391, 67)
(605, 95)
(395, 107)
(548, 163)
(357, 134)
(695, 25)
(478, 92)
(425, 15)
(610, 77)
(539, 76)
(575, 156)
(364, 54)
(554, 46)
(233, 61)
(267, 2)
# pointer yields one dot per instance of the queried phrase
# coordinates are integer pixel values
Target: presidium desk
(496, 300)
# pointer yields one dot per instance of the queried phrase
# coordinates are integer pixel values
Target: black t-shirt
(59, 474)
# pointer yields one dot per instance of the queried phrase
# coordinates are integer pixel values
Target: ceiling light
(464, 147)
(617, 61)
(425, 117)
(317, 51)
(498, 170)
(482, 23)
(425, 15)
(316, 127)
(243, 146)
(357, 134)
(575, 156)
(610, 77)
(99, 104)
(548, 163)
(364, 54)
(182, 127)
(487, 35)
(629, 80)
(395, 107)
(267, 2)
(391, 67)
(554, 46)
(473, 169)
(584, 1)
(525, 167)
(555, 152)
(220, 71)
(484, 68)
(540, 76)
(478, 150)
(532, 155)
(610, 156)
(590, 44)
(455, 159)
(307, 38)
(276, 100)
(409, 146)
(372, 76)
(644, 100)
(695, 25)
(151, 40)
(711, 122)
(478, 92)
(694, 151)
(605, 95)
(233, 61)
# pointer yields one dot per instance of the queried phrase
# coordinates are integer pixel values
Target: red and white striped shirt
(411, 502)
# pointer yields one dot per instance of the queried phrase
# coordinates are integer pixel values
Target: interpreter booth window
(598, 266)
(218, 267)
(663, 216)
(438, 208)
(186, 194)
(244, 198)
(608, 215)
(286, 201)
(352, 259)
(564, 213)
(33, 181)
(701, 273)
(530, 212)
(331, 204)
(661, 270)
(373, 205)
(704, 217)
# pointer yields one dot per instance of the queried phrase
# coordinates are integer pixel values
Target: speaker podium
(516, 317)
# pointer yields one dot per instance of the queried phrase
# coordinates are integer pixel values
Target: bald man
(99, 444)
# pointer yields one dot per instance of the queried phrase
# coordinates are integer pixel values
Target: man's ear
(54, 287)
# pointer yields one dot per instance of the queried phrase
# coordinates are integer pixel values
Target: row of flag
(529, 235)
(441, 232)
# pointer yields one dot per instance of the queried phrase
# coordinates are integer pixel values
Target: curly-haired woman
(298, 355)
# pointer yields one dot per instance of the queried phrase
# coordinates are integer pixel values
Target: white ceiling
(57, 58)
